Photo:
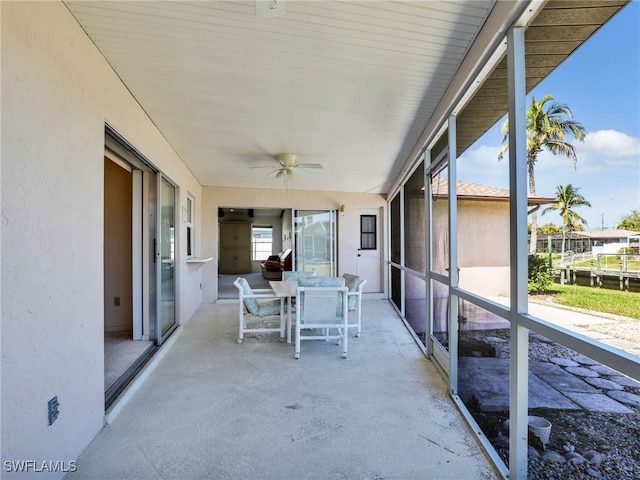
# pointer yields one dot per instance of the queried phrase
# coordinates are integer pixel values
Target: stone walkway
(561, 383)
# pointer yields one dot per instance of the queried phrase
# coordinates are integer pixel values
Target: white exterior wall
(57, 94)
(348, 222)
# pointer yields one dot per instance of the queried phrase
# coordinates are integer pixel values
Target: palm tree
(568, 198)
(546, 128)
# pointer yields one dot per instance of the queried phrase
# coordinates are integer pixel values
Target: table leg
(289, 319)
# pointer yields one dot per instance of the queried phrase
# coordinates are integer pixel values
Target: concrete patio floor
(213, 409)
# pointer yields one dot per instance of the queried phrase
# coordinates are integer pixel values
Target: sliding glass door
(315, 241)
(165, 251)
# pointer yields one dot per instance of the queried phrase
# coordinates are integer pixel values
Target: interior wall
(57, 93)
(118, 274)
(348, 227)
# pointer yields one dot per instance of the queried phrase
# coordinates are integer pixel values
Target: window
(368, 232)
(261, 242)
(188, 220)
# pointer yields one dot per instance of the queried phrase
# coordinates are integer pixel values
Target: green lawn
(616, 302)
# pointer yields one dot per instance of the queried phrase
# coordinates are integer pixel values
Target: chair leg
(283, 320)
(345, 338)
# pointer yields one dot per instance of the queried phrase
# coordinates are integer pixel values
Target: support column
(518, 366)
(453, 257)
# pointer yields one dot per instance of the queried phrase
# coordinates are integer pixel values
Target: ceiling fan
(287, 166)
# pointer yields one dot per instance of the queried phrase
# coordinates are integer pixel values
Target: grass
(614, 302)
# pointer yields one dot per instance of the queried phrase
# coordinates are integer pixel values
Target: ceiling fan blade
(309, 165)
(263, 166)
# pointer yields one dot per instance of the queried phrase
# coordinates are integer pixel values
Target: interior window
(189, 224)
(261, 242)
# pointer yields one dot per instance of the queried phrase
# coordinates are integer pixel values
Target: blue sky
(601, 84)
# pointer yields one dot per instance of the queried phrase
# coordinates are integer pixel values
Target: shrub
(539, 279)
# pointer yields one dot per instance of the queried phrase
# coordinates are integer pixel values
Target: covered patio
(253, 411)
(193, 104)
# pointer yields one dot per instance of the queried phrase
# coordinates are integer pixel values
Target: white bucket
(540, 427)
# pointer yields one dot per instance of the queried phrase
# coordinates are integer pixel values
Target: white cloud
(481, 165)
(607, 173)
(601, 151)
(610, 144)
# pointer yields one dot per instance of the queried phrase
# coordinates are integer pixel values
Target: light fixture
(343, 208)
(286, 167)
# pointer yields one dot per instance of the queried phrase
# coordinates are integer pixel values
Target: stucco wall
(483, 245)
(57, 94)
(348, 226)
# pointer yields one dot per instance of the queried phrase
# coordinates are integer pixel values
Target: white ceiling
(348, 84)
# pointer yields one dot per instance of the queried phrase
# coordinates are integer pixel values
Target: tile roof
(482, 192)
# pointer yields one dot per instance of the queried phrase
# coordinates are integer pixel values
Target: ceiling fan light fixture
(287, 166)
(286, 158)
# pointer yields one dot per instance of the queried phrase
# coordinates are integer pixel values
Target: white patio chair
(355, 283)
(293, 276)
(259, 310)
(321, 305)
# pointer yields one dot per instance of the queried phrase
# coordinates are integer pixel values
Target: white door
(369, 255)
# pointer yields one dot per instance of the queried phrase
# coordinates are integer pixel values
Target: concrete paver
(488, 379)
(597, 402)
(603, 383)
(625, 381)
(565, 362)
(625, 397)
(582, 372)
(566, 382)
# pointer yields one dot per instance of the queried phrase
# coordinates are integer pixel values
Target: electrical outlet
(116, 301)
(52, 407)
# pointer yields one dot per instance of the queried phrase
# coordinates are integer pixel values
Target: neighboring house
(596, 241)
(483, 247)
(573, 241)
(483, 234)
(610, 241)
